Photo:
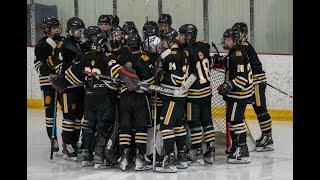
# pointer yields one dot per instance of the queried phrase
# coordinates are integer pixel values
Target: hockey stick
(215, 47)
(252, 143)
(290, 96)
(157, 88)
(54, 122)
(154, 134)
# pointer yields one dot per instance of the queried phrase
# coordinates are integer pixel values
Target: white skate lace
(237, 153)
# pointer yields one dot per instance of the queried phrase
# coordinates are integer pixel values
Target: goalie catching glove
(225, 88)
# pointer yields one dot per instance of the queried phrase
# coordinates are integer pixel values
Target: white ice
(276, 165)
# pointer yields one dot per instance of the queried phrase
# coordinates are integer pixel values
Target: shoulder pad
(173, 52)
(145, 57)
(204, 41)
(244, 43)
(238, 53)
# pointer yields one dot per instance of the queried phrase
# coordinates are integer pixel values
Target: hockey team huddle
(112, 86)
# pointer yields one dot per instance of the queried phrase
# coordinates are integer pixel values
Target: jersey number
(172, 66)
(204, 64)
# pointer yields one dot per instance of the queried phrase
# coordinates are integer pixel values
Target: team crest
(93, 62)
(238, 53)
(200, 55)
(144, 57)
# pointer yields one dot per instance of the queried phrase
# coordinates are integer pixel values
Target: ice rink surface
(276, 165)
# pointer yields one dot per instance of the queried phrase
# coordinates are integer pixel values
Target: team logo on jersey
(59, 44)
(145, 57)
(173, 52)
(186, 52)
(238, 53)
(93, 62)
(200, 55)
(47, 100)
(244, 43)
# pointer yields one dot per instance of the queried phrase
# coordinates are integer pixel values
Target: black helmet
(116, 37)
(134, 40)
(241, 26)
(190, 31)
(113, 20)
(74, 23)
(165, 19)
(170, 36)
(49, 22)
(92, 33)
(103, 19)
(129, 27)
(233, 33)
(150, 28)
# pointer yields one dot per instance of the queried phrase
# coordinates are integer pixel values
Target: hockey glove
(130, 78)
(225, 88)
(57, 82)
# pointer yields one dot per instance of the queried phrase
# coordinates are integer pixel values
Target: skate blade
(123, 167)
(143, 168)
(182, 165)
(208, 160)
(239, 161)
(198, 162)
(67, 158)
(264, 149)
(98, 166)
(171, 169)
(86, 163)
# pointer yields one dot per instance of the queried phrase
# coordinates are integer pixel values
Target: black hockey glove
(57, 82)
(225, 88)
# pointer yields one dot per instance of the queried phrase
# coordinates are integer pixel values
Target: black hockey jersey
(175, 72)
(44, 52)
(91, 62)
(199, 61)
(257, 71)
(139, 61)
(67, 54)
(238, 71)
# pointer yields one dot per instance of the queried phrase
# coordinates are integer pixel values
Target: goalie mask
(151, 44)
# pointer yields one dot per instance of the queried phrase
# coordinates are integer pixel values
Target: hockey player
(105, 22)
(199, 96)
(171, 120)
(67, 54)
(150, 28)
(236, 91)
(128, 28)
(265, 142)
(164, 22)
(99, 98)
(133, 106)
(44, 53)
